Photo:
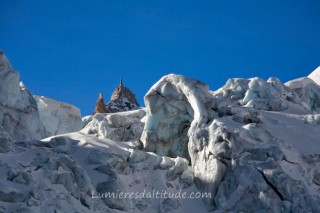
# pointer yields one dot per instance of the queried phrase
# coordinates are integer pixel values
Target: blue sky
(72, 50)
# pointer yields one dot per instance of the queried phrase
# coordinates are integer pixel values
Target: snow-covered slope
(67, 174)
(315, 75)
(58, 117)
(299, 83)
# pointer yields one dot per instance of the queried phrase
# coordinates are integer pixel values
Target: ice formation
(19, 116)
(58, 117)
(308, 92)
(253, 144)
(122, 126)
(241, 154)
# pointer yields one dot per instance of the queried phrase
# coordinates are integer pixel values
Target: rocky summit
(122, 99)
(100, 105)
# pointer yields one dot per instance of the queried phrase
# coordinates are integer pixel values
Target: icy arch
(176, 107)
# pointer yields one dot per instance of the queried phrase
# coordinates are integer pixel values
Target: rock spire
(100, 106)
(122, 99)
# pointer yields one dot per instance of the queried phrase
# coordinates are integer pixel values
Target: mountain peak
(315, 75)
(5, 65)
(100, 106)
(122, 99)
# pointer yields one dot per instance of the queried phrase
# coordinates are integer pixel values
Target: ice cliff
(27, 117)
(58, 117)
(19, 117)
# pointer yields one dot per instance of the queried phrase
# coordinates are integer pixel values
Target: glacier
(253, 144)
(239, 139)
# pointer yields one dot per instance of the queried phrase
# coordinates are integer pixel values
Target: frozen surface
(19, 116)
(66, 174)
(121, 126)
(308, 91)
(259, 94)
(58, 117)
(299, 83)
(245, 145)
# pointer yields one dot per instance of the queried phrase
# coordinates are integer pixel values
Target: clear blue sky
(72, 50)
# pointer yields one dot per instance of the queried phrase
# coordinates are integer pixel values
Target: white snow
(122, 126)
(69, 169)
(299, 83)
(235, 145)
(315, 75)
